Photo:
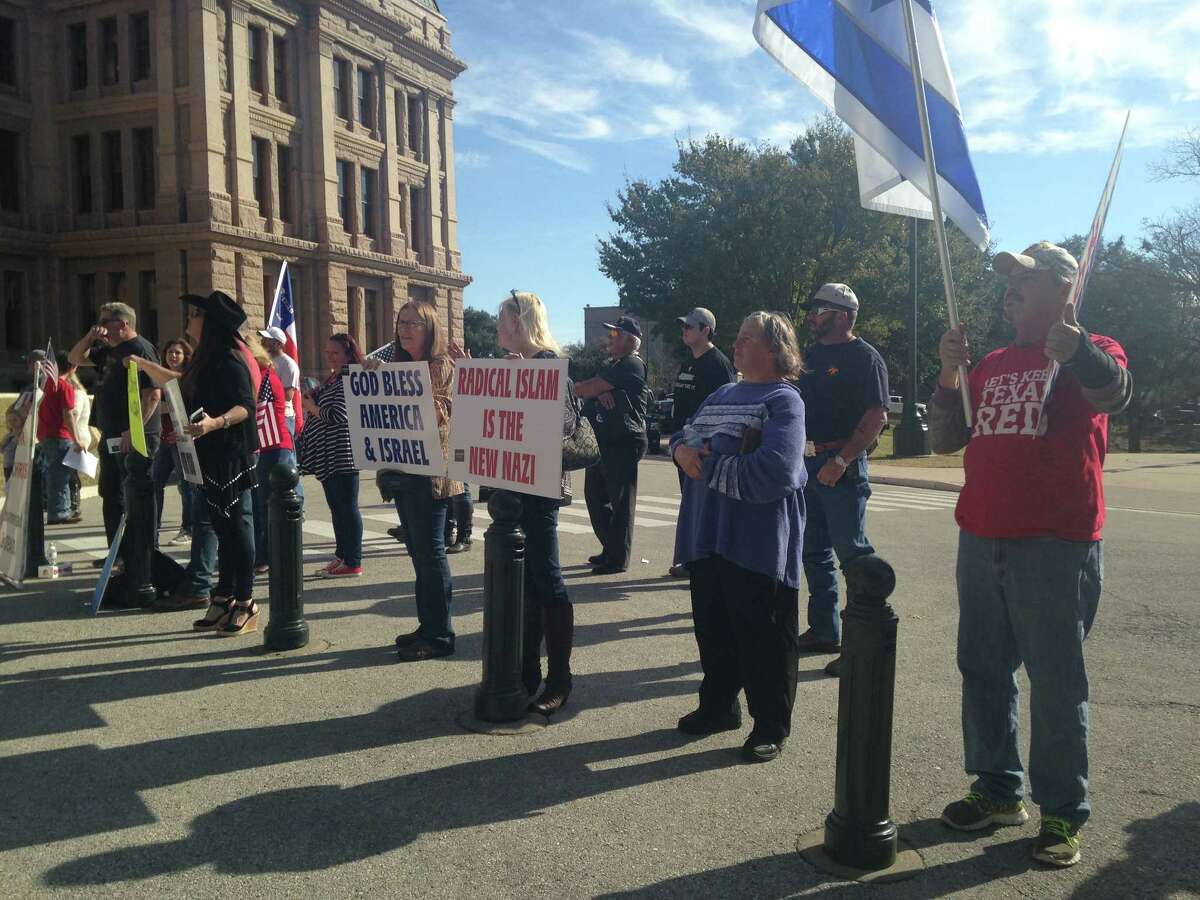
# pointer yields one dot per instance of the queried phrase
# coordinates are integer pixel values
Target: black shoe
(834, 668)
(398, 533)
(597, 560)
(756, 750)
(403, 640)
(420, 650)
(679, 570)
(699, 722)
(810, 643)
(609, 570)
(459, 547)
(121, 595)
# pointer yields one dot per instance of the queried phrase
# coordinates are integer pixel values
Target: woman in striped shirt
(325, 452)
(422, 500)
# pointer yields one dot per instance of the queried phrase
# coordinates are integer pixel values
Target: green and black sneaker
(976, 811)
(1057, 843)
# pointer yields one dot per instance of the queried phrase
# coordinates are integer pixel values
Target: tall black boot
(531, 650)
(559, 624)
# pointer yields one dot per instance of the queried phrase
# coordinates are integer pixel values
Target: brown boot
(531, 651)
(559, 625)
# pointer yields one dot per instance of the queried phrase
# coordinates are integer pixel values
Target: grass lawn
(883, 454)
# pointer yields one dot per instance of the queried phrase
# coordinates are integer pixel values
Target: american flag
(264, 416)
(50, 363)
(283, 316)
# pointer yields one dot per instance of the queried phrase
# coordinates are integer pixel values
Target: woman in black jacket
(219, 394)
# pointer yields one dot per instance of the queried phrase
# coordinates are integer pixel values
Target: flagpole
(939, 222)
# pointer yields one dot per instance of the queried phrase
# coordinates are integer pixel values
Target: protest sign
(189, 462)
(137, 430)
(392, 421)
(109, 561)
(507, 426)
(14, 522)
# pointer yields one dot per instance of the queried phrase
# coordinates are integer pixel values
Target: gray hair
(637, 343)
(120, 311)
(777, 331)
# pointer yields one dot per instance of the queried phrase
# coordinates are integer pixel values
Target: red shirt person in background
(1029, 555)
(56, 438)
(275, 446)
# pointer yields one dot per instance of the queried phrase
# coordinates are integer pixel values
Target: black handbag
(580, 447)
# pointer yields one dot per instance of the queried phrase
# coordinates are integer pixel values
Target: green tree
(584, 360)
(479, 334)
(739, 228)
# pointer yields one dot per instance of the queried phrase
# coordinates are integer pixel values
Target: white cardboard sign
(393, 424)
(189, 461)
(506, 430)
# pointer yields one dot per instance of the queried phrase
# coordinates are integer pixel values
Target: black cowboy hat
(219, 309)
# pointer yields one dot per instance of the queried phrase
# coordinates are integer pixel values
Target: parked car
(896, 406)
(1183, 414)
(659, 421)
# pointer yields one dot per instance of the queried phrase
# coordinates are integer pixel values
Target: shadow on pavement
(1160, 860)
(88, 789)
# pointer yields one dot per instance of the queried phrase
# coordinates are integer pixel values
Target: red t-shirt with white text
(1019, 485)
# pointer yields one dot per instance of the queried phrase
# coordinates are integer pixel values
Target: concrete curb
(928, 483)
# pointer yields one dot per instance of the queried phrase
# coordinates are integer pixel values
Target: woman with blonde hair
(523, 329)
(274, 445)
(741, 535)
(422, 501)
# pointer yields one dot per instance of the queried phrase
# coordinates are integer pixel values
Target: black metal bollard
(35, 529)
(286, 629)
(859, 832)
(501, 696)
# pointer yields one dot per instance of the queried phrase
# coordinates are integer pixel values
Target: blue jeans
(341, 493)
(166, 462)
(56, 477)
(424, 520)
(1031, 601)
(833, 527)
(267, 460)
(544, 585)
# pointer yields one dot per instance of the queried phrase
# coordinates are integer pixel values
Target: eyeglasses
(821, 310)
(402, 324)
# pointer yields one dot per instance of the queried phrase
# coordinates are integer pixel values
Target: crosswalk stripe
(668, 501)
(638, 518)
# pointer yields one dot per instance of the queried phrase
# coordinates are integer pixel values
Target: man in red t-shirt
(1029, 551)
(56, 436)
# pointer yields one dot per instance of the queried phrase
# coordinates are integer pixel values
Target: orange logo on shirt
(832, 370)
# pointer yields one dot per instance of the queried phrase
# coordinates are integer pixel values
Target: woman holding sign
(422, 501)
(524, 331)
(218, 389)
(325, 452)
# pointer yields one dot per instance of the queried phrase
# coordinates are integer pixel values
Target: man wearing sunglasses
(706, 371)
(616, 406)
(124, 473)
(845, 387)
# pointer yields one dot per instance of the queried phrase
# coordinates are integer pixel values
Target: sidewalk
(1178, 472)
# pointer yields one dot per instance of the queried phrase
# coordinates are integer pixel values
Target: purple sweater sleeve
(773, 470)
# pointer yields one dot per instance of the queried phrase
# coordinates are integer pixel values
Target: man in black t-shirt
(706, 371)
(845, 388)
(616, 406)
(124, 482)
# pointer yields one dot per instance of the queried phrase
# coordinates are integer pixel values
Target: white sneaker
(183, 536)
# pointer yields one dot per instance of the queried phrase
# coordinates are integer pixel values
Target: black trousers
(125, 485)
(235, 550)
(610, 489)
(748, 631)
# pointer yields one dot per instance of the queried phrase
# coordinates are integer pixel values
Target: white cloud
(726, 28)
(698, 118)
(471, 159)
(618, 62)
(554, 151)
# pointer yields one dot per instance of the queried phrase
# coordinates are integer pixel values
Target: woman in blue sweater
(740, 533)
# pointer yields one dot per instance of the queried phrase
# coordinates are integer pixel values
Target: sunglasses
(821, 310)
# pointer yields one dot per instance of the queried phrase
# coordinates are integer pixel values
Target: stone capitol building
(150, 148)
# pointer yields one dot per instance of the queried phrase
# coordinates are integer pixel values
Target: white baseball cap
(275, 333)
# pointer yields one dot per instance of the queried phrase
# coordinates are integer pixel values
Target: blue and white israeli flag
(853, 54)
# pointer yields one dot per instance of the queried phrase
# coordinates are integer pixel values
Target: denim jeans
(833, 527)
(267, 460)
(56, 477)
(424, 519)
(460, 516)
(166, 463)
(544, 585)
(235, 550)
(1031, 601)
(341, 493)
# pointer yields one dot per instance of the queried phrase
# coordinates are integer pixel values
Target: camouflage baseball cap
(1042, 256)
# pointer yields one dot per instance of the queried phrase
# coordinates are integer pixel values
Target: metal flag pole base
(908, 864)
(533, 722)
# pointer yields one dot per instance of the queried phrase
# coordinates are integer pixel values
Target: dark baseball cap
(628, 324)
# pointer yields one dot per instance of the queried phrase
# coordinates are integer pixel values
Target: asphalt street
(138, 759)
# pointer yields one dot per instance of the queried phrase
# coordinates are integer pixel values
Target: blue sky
(564, 101)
